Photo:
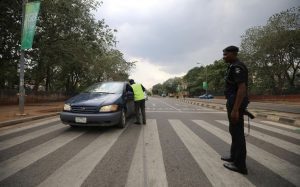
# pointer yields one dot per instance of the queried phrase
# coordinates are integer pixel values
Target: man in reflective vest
(139, 101)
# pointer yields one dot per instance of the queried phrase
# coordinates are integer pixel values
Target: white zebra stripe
(18, 129)
(136, 174)
(153, 163)
(147, 167)
(76, 170)
(270, 139)
(20, 139)
(281, 125)
(276, 130)
(274, 163)
(15, 164)
(207, 158)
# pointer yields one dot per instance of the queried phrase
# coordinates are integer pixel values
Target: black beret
(131, 81)
(231, 49)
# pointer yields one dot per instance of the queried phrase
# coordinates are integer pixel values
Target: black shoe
(144, 122)
(233, 167)
(227, 159)
(137, 122)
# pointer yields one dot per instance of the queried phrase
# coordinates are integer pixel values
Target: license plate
(80, 119)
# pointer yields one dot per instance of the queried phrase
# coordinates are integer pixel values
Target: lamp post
(205, 77)
(22, 62)
(29, 16)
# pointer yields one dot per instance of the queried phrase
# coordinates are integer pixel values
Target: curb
(26, 119)
(271, 117)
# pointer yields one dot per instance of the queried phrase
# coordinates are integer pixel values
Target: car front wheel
(122, 122)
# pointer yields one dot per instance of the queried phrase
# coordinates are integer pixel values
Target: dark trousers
(238, 146)
(140, 106)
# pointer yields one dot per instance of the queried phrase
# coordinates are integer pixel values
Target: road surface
(181, 145)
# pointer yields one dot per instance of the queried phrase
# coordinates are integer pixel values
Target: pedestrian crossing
(82, 164)
(276, 130)
(23, 160)
(148, 163)
(282, 168)
(153, 165)
(207, 158)
(281, 125)
(149, 109)
(20, 139)
(270, 139)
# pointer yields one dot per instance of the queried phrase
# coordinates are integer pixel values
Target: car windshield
(106, 87)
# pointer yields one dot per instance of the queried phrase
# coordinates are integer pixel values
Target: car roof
(113, 82)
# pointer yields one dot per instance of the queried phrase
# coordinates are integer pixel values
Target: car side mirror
(130, 95)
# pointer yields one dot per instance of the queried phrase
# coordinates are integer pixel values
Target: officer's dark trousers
(238, 146)
(140, 106)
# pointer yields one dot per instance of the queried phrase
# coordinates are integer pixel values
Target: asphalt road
(180, 146)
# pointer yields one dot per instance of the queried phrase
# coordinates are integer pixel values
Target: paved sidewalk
(9, 114)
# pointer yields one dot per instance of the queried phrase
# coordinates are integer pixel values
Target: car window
(106, 87)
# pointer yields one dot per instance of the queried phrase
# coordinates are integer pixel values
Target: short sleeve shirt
(236, 73)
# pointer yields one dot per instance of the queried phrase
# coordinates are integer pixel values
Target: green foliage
(194, 78)
(71, 49)
(272, 54)
(172, 85)
(158, 89)
(214, 74)
(10, 36)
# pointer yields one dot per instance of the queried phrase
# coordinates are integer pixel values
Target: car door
(129, 99)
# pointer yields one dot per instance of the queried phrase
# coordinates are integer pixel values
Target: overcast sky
(169, 37)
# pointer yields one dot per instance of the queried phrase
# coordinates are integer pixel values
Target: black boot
(233, 167)
(227, 158)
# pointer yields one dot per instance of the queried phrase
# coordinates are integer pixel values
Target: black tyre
(123, 121)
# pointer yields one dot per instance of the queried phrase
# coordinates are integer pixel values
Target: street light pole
(205, 77)
(22, 62)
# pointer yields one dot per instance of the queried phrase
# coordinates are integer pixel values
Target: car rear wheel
(122, 122)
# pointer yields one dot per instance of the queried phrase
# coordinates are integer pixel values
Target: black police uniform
(237, 73)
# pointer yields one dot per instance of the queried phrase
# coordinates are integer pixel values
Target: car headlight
(109, 108)
(67, 107)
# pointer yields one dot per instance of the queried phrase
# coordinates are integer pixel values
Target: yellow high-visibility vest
(138, 92)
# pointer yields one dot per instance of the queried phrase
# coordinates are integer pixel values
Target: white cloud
(149, 74)
(173, 35)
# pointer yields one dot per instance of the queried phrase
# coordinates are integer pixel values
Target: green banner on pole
(204, 85)
(31, 13)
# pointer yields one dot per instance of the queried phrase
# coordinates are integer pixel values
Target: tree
(215, 76)
(10, 36)
(158, 89)
(71, 49)
(172, 84)
(272, 52)
(194, 79)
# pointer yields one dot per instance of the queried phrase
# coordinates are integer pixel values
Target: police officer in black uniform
(237, 100)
